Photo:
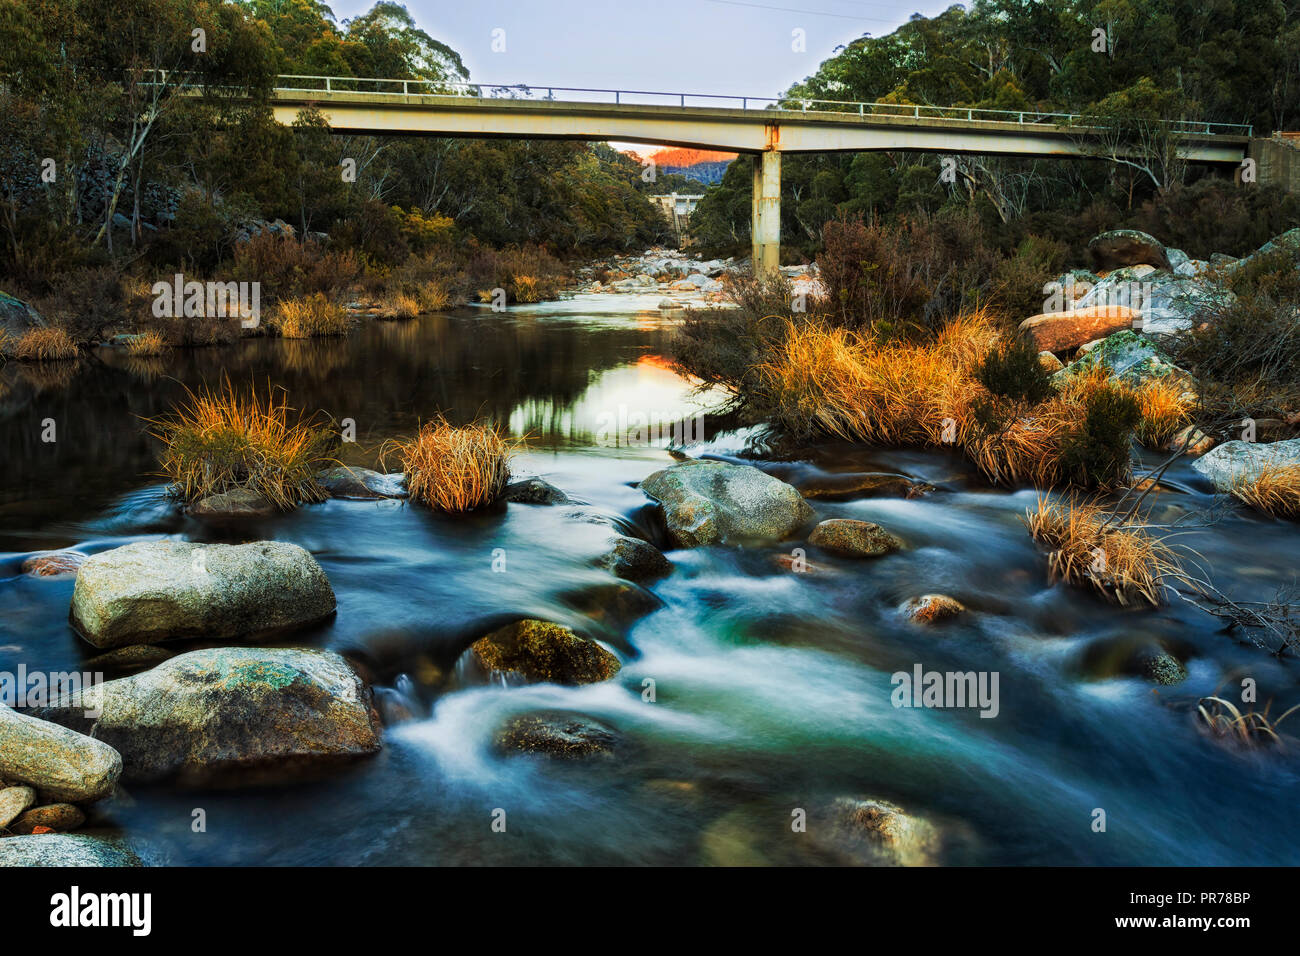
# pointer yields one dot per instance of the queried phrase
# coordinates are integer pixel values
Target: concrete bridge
(762, 127)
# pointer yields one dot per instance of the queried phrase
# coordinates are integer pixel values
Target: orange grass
(44, 345)
(146, 344)
(1125, 564)
(453, 468)
(1274, 490)
(220, 440)
(307, 318)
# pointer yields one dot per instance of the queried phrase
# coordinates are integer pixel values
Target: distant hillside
(702, 165)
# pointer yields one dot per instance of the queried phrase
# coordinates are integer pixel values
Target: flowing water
(772, 689)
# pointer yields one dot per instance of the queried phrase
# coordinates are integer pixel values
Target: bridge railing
(296, 83)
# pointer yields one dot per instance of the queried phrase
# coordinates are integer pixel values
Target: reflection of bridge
(764, 127)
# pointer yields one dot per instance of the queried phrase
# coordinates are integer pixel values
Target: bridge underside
(764, 133)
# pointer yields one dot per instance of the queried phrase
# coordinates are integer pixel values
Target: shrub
(222, 440)
(47, 344)
(1012, 371)
(1125, 564)
(433, 296)
(1096, 453)
(453, 468)
(310, 317)
(286, 267)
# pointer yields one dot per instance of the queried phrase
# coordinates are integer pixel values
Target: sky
(734, 47)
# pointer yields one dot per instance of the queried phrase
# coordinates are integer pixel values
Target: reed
(147, 344)
(1274, 490)
(309, 317)
(49, 344)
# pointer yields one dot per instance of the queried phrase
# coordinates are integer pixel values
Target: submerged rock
(634, 560)
(62, 764)
(714, 502)
(1157, 664)
(853, 538)
(231, 505)
(557, 734)
(539, 651)
(159, 590)
(344, 482)
(58, 817)
(65, 849)
(232, 715)
(876, 832)
(1235, 462)
(929, 608)
(53, 564)
(534, 491)
(861, 485)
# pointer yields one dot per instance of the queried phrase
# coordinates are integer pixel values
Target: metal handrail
(784, 104)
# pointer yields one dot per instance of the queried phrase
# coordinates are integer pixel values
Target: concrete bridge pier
(766, 227)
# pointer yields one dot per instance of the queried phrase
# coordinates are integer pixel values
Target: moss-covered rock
(540, 651)
(557, 734)
(853, 538)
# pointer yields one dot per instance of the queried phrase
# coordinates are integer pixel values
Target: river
(772, 689)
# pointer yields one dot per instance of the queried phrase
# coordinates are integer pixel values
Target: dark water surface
(772, 688)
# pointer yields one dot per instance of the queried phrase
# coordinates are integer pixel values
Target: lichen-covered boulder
(61, 763)
(65, 849)
(1132, 358)
(714, 502)
(1232, 463)
(853, 538)
(226, 716)
(154, 591)
(540, 651)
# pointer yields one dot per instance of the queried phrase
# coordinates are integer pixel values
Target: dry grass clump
(48, 344)
(1253, 728)
(1274, 490)
(221, 440)
(308, 318)
(856, 387)
(453, 468)
(433, 296)
(147, 344)
(398, 305)
(1166, 406)
(526, 289)
(1125, 564)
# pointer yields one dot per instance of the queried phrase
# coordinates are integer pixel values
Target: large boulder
(65, 849)
(540, 651)
(1132, 358)
(154, 591)
(1126, 247)
(1068, 329)
(225, 716)
(61, 763)
(1235, 462)
(13, 801)
(16, 318)
(713, 502)
(1166, 302)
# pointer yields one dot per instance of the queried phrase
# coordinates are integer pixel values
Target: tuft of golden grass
(220, 440)
(433, 296)
(1125, 564)
(146, 344)
(48, 344)
(307, 318)
(526, 288)
(1166, 407)
(832, 380)
(398, 305)
(1274, 490)
(453, 468)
